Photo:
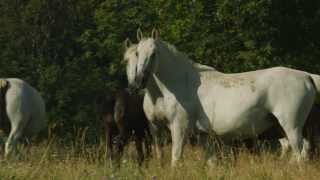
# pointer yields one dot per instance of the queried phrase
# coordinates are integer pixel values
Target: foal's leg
(147, 143)
(158, 140)
(109, 151)
(138, 142)
(2, 144)
(120, 144)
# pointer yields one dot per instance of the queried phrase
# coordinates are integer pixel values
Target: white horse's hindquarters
(15, 105)
(25, 104)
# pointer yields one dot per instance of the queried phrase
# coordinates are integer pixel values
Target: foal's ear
(127, 43)
(139, 34)
(155, 33)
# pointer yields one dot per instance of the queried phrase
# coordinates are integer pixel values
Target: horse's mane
(175, 51)
(184, 56)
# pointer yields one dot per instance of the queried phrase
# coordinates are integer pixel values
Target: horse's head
(130, 59)
(141, 63)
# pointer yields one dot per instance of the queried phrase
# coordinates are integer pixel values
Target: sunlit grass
(51, 160)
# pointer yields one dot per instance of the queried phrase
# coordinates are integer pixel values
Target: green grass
(50, 160)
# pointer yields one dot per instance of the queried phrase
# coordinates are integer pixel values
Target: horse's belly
(241, 126)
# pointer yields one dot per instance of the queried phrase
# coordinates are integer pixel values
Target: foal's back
(129, 107)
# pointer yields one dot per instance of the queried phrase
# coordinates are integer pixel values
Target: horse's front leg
(178, 130)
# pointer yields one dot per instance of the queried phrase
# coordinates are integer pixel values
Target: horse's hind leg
(285, 147)
(292, 124)
(15, 134)
(306, 148)
(294, 135)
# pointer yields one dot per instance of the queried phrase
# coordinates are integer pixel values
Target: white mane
(175, 51)
(184, 56)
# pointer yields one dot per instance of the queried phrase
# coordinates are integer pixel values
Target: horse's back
(253, 94)
(267, 85)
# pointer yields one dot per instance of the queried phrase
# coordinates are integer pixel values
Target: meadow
(54, 160)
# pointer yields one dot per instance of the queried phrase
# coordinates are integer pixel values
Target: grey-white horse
(24, 108)
(227, 106)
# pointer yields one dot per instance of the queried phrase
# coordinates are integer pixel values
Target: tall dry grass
(78, 160)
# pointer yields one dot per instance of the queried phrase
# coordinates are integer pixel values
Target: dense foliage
(71, 50)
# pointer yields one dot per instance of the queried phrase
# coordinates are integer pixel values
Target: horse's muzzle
(133, 89)
(140, 83)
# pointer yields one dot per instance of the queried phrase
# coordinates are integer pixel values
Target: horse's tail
(316, 81)
(4, 85)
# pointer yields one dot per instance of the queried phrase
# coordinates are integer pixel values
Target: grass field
(49, 160)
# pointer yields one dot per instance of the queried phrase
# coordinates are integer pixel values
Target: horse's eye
(137, 54)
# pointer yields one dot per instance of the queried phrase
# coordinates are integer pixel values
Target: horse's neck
(173, 67)
(174, 72)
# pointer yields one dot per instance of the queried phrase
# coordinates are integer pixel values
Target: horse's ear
(155, 33)
(139, 34)
(127, 43)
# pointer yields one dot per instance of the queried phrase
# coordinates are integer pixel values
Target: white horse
(24, 108)
(227, 106)
(130, 55)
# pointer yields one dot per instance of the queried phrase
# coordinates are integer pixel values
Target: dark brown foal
(125, 119)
